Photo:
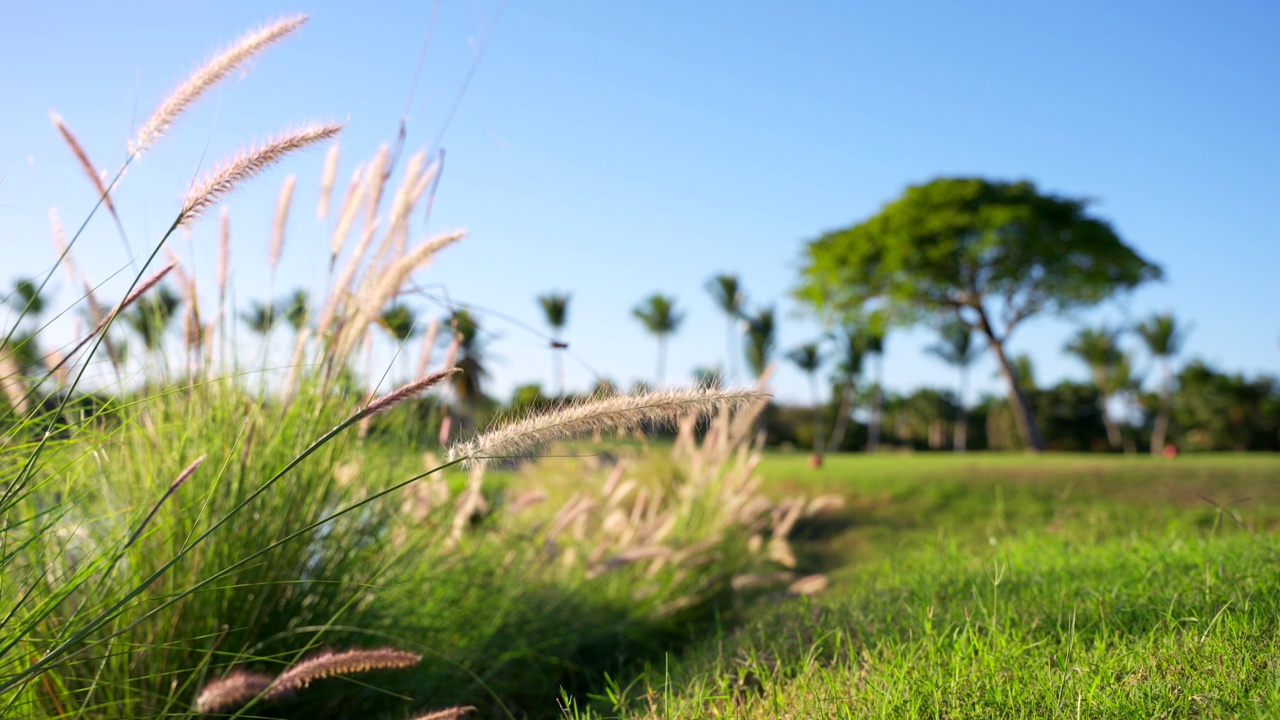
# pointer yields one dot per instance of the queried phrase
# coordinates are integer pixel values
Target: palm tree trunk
(731, 363)
(1160, 431)
(1017, 398)
(662, 361)
(1113, 428)
(842, 419)
(873, 429)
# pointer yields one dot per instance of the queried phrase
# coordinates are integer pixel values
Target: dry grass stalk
(449, 713)
(404, 392)
(326, 180)
(232, 691)
(348, 662)
(282, 219)
(809, 585)
(247, 164)
(757, 580)
(85, 164)
(621, 412)
(208, 75)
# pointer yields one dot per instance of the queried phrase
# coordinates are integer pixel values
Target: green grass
(991, 586)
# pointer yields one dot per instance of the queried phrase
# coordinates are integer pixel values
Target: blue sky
(614, 150)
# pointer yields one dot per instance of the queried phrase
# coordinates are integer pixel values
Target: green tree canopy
(400, 321)
(989, 254)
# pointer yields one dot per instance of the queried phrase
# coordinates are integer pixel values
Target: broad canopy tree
(989, 254)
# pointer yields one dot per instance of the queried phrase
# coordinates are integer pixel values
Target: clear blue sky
(615, 149)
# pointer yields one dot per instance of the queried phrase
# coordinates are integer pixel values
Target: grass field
(1005, 586)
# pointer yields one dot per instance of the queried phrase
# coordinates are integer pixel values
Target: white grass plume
(231, 173)
(619, 412)
(208, 75)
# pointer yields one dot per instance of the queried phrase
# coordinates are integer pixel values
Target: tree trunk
(960, 441)
(1017, 398)
(1160, 431)
(873, 428)
(842, 420)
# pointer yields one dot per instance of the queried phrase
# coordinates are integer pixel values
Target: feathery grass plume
(404, 392)
(208, 75)
(428, 344)
(449, 713)
(388, 284)
(376, 180)
(620, 412)
(60, 245)
(339, 291)
(85, 164)
(224, 251)
(247, 164)
(232, 691)
(347, 214)
(326, 180)
(183, 476)
(282, 219)
(348, 662)
(402, 204)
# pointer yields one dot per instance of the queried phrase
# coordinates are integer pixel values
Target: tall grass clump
(216, 539)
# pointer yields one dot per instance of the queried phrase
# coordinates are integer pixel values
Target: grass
(962, 586)
(992, 586)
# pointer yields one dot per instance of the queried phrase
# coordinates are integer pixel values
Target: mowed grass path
(991, 586)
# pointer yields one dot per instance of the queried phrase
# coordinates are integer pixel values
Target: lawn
(1004, 586)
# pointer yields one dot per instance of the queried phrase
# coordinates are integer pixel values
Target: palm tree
(555, 307)
(467, 385)
(1097, 348)
(151, 315)
(261, 318)
(727, 292)
(956, 348)
(400, 322)
(848, 368)
(659, 316)
(20, 357)
(1163, 339)
(873, 336)
(297, 310)
(760, 339)
(809, 360)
